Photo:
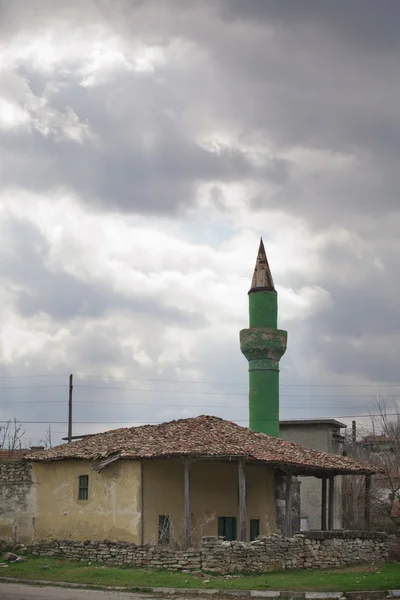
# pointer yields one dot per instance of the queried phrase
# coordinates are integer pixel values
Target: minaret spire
(263, 345)
(262, 278)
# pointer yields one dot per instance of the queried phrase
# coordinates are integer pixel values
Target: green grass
(349, 579)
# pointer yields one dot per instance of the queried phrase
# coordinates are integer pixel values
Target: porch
(187, 498)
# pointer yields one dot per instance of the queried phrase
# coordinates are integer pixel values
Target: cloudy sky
(144, 148)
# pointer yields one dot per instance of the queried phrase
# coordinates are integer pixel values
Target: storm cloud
(144, 148)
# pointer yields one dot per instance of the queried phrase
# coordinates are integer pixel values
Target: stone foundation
(315, 550)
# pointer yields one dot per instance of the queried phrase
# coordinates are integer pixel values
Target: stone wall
(317, 550)
(120, 553)
(16, 501)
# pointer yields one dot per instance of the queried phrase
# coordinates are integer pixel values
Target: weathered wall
(319, 437)
(17, 501)
(112, 510)
(214, 493)
(324, 550)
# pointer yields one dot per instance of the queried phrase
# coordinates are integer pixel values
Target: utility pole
(71, 387)
(354, 477)
(354, 437)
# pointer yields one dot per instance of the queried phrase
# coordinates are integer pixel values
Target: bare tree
(11, 434)
(173, 534)
(180, 538)
(4, 429)
(383, 449)
(378, 444)
(48, 438)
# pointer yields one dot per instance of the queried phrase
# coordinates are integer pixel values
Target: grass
(368, 577)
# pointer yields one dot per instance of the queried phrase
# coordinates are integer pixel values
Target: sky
(145, 147)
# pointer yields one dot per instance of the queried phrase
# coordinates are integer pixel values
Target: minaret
(263, 345)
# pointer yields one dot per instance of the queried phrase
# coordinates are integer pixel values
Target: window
(83, 489)
(164, 530)
(254, 529)
(227, 528)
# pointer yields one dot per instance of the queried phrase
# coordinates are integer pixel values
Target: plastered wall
(214, 493)
(41, 503)
(112, 510)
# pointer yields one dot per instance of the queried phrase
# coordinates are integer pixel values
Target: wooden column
(354, 479)
(367, 505)
(331, 502)
(242, 500)
(323, 504)
(188, 510)
(141, 503)
(288, 505)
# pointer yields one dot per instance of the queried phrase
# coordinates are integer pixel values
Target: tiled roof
(14, 454)
(302, 422)
(376, 439)
(203, 436)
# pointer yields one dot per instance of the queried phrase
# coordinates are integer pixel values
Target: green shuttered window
(83, 489)
(254, 529)
(227, 527)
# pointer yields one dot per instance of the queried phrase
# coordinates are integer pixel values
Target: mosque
(201, 476)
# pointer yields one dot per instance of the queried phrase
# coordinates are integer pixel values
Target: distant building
(375, 443)
(323, 435)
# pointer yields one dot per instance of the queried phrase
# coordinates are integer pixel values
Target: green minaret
(263, 345)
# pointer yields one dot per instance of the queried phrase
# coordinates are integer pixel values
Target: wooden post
(242, 500)
(288, 505)
(71, 387)
(141, 503)
(353, 478)
(188, 510)
(367, 506)
(331, 502)
(323, 504)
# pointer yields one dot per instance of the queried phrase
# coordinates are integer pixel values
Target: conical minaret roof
(262, 279)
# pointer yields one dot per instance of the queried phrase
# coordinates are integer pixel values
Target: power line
(87, 376)
(33, 376)
(31, 387)
(84, 376)
(236, 420)
(191, 393)
(42, 430)
(112, 403)
(188, 392)
(165, 404)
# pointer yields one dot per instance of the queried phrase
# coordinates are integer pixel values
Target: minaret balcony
(260, 343)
